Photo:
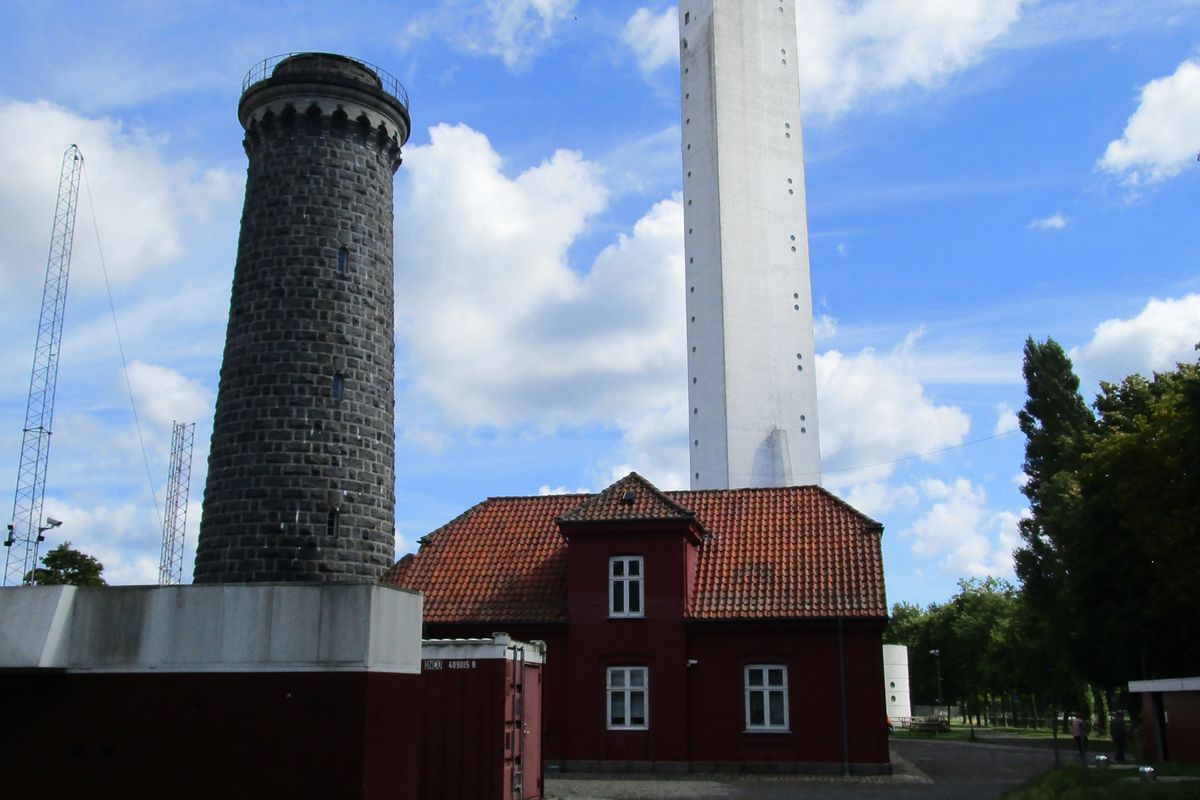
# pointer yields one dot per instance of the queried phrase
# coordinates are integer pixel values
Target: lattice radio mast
(26, 530)
(179, 481)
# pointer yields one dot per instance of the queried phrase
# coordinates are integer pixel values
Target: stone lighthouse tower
(301, 469)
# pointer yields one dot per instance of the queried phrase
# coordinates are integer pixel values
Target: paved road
(929, 770)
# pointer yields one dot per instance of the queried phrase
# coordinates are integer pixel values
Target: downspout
(842, 688)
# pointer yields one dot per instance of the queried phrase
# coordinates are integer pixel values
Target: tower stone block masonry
(301, 472)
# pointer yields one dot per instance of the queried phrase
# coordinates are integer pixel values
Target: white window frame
(625, 682)
(772, 680)
(624, 585)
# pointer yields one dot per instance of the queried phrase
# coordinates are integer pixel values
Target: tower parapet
(332, 92)
(301, 471)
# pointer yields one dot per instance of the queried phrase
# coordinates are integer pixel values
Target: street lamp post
(937, 656)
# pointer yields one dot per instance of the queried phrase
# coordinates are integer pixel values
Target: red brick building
(703, 630)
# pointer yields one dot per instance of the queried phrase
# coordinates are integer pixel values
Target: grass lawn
(963, 733)
(1073, 783)
(1038, 737)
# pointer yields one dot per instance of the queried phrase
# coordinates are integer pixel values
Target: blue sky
(978, 171)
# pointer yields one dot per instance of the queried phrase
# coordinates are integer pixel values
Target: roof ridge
(535, 496)
(659, 493)
(605, 497)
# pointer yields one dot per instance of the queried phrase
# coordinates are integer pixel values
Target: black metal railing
(265, 68)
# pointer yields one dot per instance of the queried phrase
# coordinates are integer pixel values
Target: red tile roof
(772, 553)
(632, 497)
(789, 552)
(502, 560)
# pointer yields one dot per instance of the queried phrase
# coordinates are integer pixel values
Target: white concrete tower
(751, 382)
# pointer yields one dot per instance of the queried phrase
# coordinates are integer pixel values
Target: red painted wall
(696, 714)
(344, 735)
(810, 652)
(657, 640)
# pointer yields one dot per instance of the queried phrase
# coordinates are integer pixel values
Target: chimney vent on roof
(628, 496)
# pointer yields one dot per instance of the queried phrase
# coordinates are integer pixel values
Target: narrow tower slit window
(339, 385)
(333, 522)
(343, 260)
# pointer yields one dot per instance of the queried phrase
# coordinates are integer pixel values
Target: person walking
(1079, 731)
(1119, 732)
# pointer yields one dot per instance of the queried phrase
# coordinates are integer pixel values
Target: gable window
(625, 586)
(627, 698)
(766, 697)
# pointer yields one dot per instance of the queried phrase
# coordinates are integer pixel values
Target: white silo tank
(895, 682)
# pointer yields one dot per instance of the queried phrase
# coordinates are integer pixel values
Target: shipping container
(482, 719)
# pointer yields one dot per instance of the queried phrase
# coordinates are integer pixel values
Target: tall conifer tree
(1056, 423)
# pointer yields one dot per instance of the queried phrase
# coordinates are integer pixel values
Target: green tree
(1140, 486)
(975, 634)
(905, 625)
(1111, 550)
(911, 626)
(65, 566)
(1056, 424)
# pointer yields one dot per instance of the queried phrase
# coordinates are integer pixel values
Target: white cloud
(1006, 420)
(824, 327)
(545, 490)
(966, 362)
(165, 396)
(875, 411)
(500, 331)
(1160, 139)
(1060, 21)
(850, 51)
(959, 531)
(511, 30)
(434, 441)
(126, 539)
(654, 38)
(520, 26)
(143, 202)
(1161, 335)
(648, 165)
(1054, 222)
(877, 498)
(654, 444)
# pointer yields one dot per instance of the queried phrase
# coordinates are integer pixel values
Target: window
(338, 388)
(343, 260)
(766, 697)
(627, 698)
(625, 586)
